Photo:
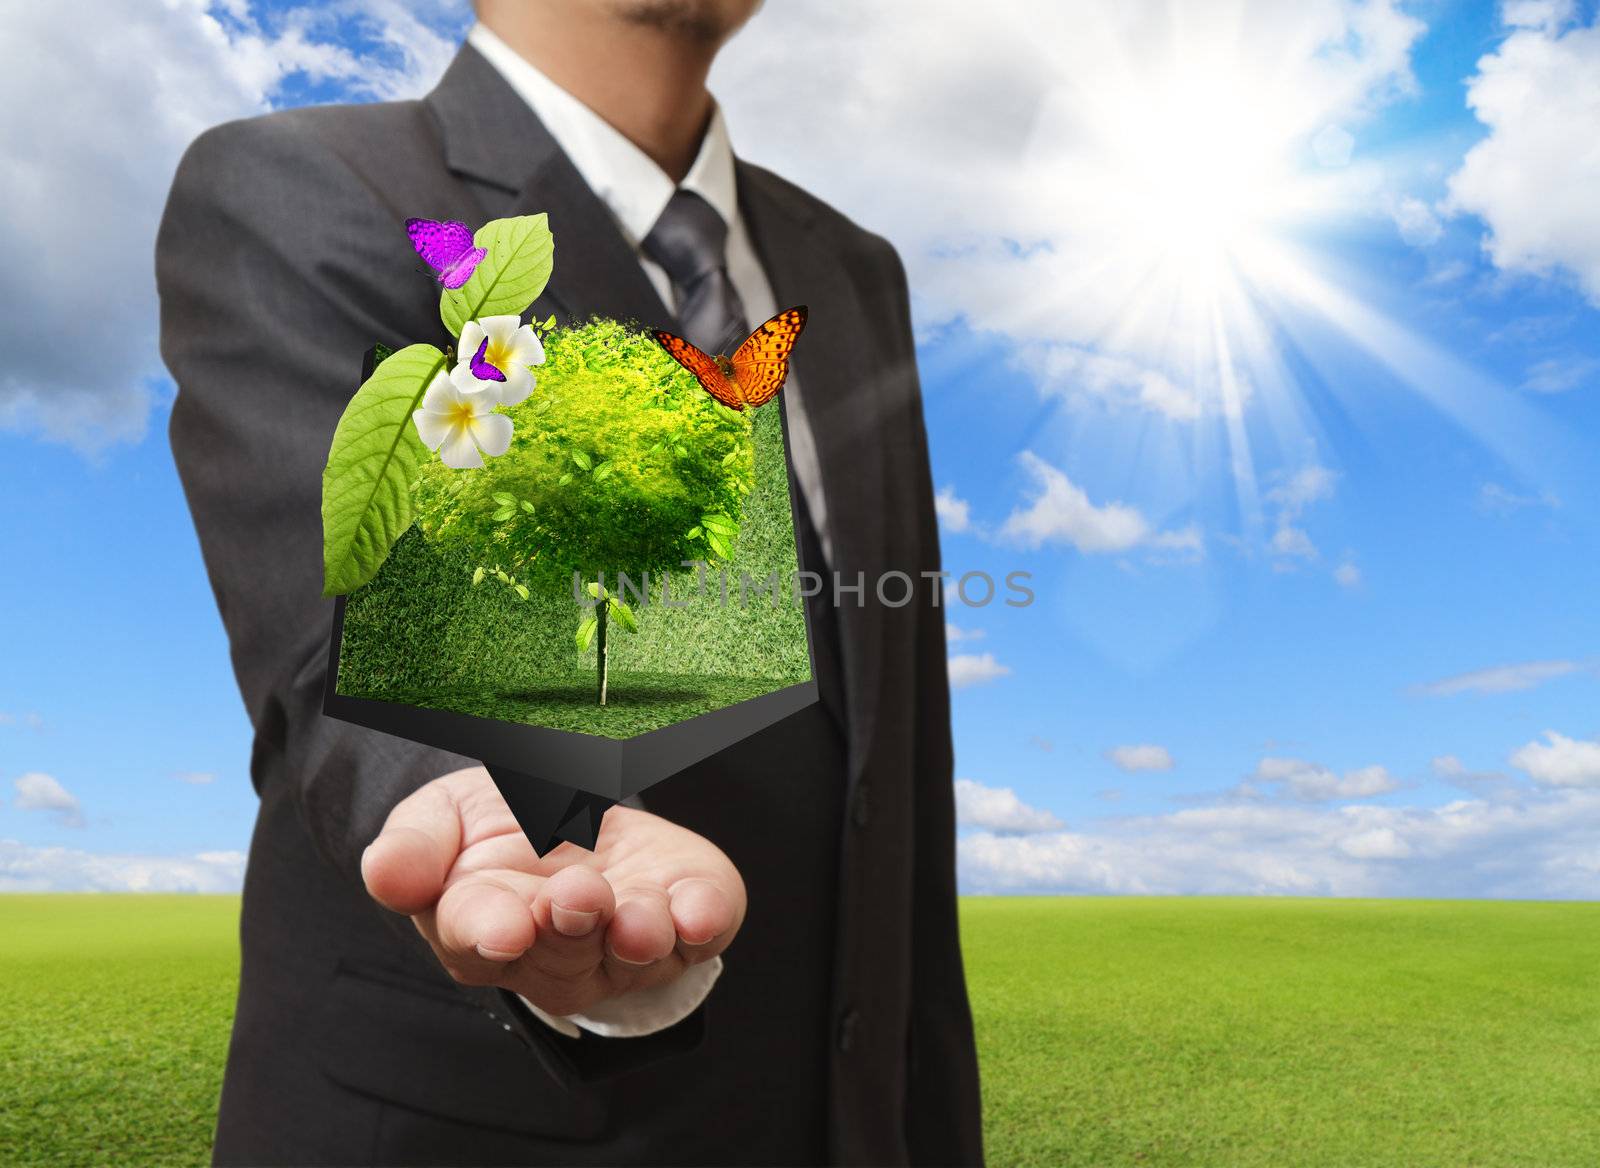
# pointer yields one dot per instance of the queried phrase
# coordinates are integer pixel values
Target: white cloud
(1289, 541)
(88, 165)
(968, 669)
(37, 791)
(1446, 273)
(1289, 499)
(955, 513)
(1028, 220)
(1416, 222)
(1309, 782)
(1347, 575)
(1489, 784)
(1560, 374)
(1532, 179)
(954, 633)
(1531, 844)
(1500, 500)
(31, 719)
(999, 809)
(1059, 511)
(1082, 376)
(1380, 843)
(31, 869)
(1144, 757)
(195, 778)
(1310, 484)
(1500, 678)
(1333, 146)
(1536, 13)
(1560, 761)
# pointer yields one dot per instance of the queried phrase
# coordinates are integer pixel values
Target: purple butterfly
(447, 248)
(482, 369)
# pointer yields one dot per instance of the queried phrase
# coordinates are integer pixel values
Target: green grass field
(1113, 1031)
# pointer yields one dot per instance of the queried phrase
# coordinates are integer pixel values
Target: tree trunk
(600, 642)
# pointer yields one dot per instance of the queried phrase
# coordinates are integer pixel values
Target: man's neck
(648, 82)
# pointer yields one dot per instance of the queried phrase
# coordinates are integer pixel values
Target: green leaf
(521, 590)
(527, 506)
(586, 632)
(549, 323)
(729, 457)
(366, 484)
(477, 577)
(564, 479)
(504, 499)
(594, 590)
(624, 614)
(692, 533)
(718, 544)
(583, 460)
(603, 470)
(720, 523)
(508, 279)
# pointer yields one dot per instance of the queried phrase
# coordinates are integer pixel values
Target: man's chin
(707, 21)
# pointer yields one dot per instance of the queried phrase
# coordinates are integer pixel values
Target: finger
(703, 916)
(571, 913)
(641, 931)
(404, 868)
(482, 925)
(576, 902)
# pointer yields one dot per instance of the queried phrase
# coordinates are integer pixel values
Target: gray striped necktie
(690, 241)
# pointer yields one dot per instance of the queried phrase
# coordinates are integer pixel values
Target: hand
(568, 930)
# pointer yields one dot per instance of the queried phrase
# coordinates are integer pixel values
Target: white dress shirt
(636, 190)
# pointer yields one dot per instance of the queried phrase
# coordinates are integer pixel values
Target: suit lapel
(833, 366)
(494, 139)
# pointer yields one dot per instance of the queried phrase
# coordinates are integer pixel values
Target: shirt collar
(624, 177)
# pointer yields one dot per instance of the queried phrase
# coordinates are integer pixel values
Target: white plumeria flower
(460, 423)
(512, 347)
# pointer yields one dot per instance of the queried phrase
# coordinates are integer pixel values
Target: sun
(1184, 243)
(1195, 165)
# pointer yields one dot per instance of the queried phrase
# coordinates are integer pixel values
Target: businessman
(761, 964)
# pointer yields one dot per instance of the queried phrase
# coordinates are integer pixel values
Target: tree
(620, 466)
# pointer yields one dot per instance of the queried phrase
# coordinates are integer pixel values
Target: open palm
(567, 930)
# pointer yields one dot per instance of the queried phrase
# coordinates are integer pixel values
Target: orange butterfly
(757, 369)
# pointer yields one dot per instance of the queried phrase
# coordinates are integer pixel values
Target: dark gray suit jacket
(840, 1030)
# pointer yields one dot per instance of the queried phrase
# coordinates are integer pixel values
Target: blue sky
(1267, 343)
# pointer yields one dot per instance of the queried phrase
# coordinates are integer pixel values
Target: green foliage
(421, 634)
(366, 485)
(509, 278)
(614, 610)
(617, 455)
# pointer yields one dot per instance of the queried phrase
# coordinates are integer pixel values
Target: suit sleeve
(943, 1112)
(277, 269)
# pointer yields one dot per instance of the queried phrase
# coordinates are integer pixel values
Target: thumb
(404, 868)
